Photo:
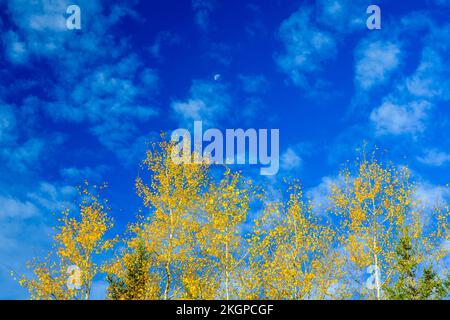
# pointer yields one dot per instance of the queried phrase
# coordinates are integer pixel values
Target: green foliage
(135, 279)
(409, 286)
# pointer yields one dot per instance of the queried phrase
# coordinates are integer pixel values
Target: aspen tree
(225, 209)
(374, 204)
(190, 244)
(172, 195)
(292, 252)
(69, 270)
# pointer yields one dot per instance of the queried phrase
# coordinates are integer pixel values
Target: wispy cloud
(96, 80)
(341, 15)
(434, 157)
(431, 196)
(26, 228)
(431, 79)
(76, 175)
(320, 194)
(305, 47)
(14, 208)
(53, 197)
(396, 119)
(376, 61)
(202, 11)
(290, 160)
(208, 101)
(7, 124)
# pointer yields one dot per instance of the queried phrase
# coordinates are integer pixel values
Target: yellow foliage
(220, 236)
(78, 239)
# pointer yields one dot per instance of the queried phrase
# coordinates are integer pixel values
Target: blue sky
(78, 104)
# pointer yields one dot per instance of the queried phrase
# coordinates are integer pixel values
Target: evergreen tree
(408, 285)
(134, 281)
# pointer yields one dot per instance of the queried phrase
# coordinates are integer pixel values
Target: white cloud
(7, 124)
(290, 160)
(22, 156)
(26, 228)
(112, 99)
(108, 93)
(202, 11)
(306, 47)
(191, 109)
(406, 110)
(42, 30)
(434, 158)
(397, 119)
(208, 102)
(93, 77)
(375, 63)
(79, 174)
(431, 80)
(18, 151)
(342, 15)
(14, 208)
(16, 50)
(52, 197)
(320, 195)
(31, 212)
(430, 196)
